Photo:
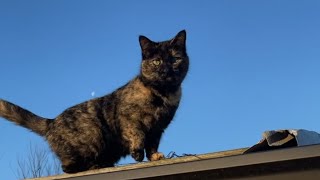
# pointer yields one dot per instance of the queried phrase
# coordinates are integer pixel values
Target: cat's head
(164, 64)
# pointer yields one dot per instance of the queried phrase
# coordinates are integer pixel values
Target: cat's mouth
(169, 79)
(172, 80)
(166, 77)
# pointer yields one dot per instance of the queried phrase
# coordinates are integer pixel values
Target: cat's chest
(170, 100)
(148, 107)
(142, 103)
(162, 108)
(151, 99)
(137, 93)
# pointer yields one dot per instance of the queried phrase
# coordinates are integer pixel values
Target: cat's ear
(145, 43)
(180, 39)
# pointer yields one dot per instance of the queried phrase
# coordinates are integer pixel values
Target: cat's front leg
(152, 144)
(135, 137)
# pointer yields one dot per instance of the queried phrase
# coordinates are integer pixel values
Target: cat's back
(83, 119)
(79, 124)
(82, 110)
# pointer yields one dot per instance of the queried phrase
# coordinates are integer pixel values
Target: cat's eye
(177, 59)
(176, 64)
(157, 62)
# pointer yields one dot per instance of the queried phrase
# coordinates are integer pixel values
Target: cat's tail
(24, 118)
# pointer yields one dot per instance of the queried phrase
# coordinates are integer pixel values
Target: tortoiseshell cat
(131, 120)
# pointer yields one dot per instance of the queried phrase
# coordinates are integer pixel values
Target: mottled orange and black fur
(131, 120)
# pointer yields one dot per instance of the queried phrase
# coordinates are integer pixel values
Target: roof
(293, 163)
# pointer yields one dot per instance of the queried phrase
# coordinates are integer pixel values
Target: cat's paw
(138, 155)
(156, 156)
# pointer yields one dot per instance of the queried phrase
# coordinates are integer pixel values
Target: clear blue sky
(255, 65)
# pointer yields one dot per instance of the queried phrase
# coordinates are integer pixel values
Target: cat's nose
(165, 70)
(176, 69)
